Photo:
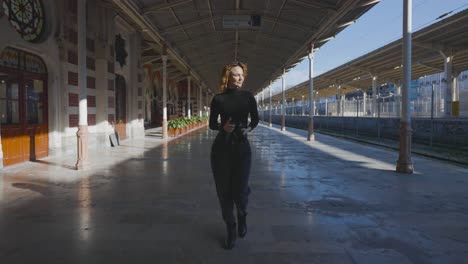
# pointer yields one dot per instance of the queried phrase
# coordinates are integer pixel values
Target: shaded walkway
(332, 201)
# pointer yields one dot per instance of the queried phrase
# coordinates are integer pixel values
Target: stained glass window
(21, 60)
(27, 17)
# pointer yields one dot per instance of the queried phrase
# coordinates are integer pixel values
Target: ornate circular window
(27, 17)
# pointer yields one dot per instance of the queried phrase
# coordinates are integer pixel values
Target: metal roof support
(326, 108)
(189, 110)
(310, 135)
(164, 84)
(452, 92)
(293, 110)
(303, 106)
(398, 91)
(283, 87)
(405, 163)
(374, 95)
(263, 105)
(200, 100)
(158, 7)
(269, 119)
(338, 99)
(82, 134)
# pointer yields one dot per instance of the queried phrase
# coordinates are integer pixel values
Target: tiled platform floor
(331, 201)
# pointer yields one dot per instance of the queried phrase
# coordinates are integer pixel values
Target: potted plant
(171, 124)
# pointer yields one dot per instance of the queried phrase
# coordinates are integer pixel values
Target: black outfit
(230, 152)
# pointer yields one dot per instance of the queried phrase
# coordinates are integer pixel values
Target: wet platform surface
(330, 201)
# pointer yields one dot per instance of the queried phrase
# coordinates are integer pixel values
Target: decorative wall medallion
(27, 17)
(120, 52)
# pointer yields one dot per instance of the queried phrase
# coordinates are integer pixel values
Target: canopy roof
(194, 36)
(447, 37)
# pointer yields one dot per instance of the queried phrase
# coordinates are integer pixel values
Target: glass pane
(3, 85)
(35, 106)
(9, 112)
(12, 90)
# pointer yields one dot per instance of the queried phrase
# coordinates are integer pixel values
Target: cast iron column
(271, 106)
(164, 122)
(283, 111)
(310, 135)
(189, 110)
(404, 163)
(82, 134)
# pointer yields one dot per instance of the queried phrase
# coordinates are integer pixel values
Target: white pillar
(283, 112)
(310, 135)
(374, 96)
(326, 106)
(200, 106)
(263, 105)
(343, 104)
(189, 109)
(451, 92)
(338, 100)
(364, 99)
(82, 134)
(293, 112)
(404, 163)
(164, 83)
(303, 106)
(271, 106)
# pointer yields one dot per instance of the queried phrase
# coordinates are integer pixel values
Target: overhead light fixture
(369, 3)
(398, 67)
(346, 24)
(326, 39)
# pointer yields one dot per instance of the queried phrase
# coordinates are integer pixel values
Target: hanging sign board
(242, 21)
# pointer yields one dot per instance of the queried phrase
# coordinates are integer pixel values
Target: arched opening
(23, 106)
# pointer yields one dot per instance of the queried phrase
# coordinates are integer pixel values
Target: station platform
(152, 201)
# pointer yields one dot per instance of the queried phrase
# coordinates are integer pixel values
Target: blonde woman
(230, 152)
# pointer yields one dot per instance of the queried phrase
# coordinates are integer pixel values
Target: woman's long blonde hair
(227, 71)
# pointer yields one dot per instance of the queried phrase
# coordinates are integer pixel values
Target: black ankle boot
(231, 236)
(242, 228)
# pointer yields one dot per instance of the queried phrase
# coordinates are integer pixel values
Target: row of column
(83, 133)
(404, 162)
(310, 135)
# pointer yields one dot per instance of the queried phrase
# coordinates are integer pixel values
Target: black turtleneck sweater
(235, 104)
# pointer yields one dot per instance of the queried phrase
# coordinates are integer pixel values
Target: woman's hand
(245, 131)
(228, 126)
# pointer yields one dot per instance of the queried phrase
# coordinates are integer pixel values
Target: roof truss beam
(192, 23)
(315, 4)
(164, 6)
(430, 66)
(436, 47)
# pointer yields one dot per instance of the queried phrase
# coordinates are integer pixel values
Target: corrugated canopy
(200, 35)
(448, 37)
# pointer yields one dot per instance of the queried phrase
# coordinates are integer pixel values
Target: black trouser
(230, 163)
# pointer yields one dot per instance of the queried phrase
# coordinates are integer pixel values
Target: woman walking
(230, 152)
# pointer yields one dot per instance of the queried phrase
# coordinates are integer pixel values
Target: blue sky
(379, 26)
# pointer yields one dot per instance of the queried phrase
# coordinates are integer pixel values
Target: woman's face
(236, 77)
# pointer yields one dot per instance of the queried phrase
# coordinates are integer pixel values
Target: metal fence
(427, 101)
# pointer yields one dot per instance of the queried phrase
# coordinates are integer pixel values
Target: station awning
(201, 36)
(448, 37)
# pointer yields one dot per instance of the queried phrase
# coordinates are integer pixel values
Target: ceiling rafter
(287, 23)
(315, 4)
(178, 21)
(158, 7)
(190, 24)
